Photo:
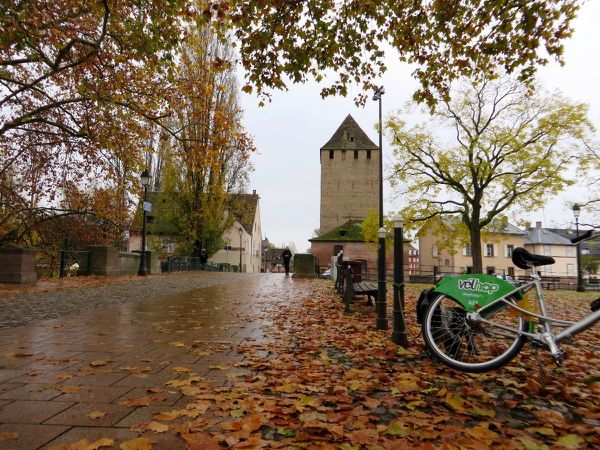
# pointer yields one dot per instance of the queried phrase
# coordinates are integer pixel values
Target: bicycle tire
(470, 347)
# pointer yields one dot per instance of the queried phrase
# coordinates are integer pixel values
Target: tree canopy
(510, 150)
(282, 41)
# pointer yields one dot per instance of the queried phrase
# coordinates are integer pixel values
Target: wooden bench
(352, 290)
(550, 283)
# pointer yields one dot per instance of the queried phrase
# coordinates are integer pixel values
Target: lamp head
(381, 234)
(398, 222)
(145, 178)
(378, 93)
(240, 230)
(576, 210)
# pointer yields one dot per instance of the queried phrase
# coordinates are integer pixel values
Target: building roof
(243, 207)
(351, 231)
(497, 226)
(349, 136)
(538, 235)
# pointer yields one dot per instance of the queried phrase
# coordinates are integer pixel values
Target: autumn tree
(79, 82)
(282, 41)
(510, 150)
(207, 156)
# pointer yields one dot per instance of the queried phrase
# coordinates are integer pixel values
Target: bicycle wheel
(467, 346)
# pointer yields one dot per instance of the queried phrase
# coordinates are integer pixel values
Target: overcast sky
(289, 131)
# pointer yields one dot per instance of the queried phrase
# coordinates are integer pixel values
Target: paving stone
(32, 391)
(78, 415)
(171, 396)
(161, 441)
(31, 411)
(29, 436)
(94, 394)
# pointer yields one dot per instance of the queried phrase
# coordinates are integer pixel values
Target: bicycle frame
(546, 336)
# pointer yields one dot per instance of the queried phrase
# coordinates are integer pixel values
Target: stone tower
(349, 176)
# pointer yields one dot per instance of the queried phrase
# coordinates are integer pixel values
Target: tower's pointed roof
(350, 136)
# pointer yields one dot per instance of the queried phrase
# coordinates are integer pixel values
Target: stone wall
(323, 251)
(349, 187)
(17, 265)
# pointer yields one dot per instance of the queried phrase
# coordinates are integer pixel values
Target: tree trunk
(475, 233)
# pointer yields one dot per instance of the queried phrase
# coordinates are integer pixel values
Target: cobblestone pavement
(20, 309)
(96, 373)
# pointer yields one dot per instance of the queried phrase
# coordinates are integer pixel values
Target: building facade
(438, 255)
(543, 241)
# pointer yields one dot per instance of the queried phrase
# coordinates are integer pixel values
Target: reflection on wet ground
(55, 374)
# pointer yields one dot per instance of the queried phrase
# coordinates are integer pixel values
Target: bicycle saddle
(526, 260)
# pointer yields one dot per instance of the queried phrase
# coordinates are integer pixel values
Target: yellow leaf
(97, 414)
(570, 441)
(181, 369)
(454, 401)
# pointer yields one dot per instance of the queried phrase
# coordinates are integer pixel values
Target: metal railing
(192, 263)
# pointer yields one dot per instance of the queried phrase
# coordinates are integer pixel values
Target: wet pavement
(107, 367)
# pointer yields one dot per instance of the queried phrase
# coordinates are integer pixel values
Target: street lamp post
(576, 212)
(241, 232)
(382, 323)
(145, 179)
(399, 335)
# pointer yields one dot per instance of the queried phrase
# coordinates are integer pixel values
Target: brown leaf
(142, 401)
(138, 444)
(99, 362)
(6, 435)
(70, 389)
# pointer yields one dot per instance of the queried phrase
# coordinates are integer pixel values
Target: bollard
(399, 335)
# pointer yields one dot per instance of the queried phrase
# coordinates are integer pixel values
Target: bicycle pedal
(595, 305)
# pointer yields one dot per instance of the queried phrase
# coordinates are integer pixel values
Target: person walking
(287, 257)
(203, 258)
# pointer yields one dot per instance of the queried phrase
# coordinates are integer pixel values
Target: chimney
(538, 224)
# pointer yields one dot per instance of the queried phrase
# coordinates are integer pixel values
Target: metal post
(62, 271)
(399, 335)
(143, 271)
(580, 287)
(382, 323)
(240, 249)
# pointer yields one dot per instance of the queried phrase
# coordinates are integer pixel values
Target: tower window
(343, 155)
(368, 154)
(352, 139)
(330, 154)
(355, 154)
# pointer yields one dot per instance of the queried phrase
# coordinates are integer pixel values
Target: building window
(434, 251)
(547, 250)
(489, 249)
(355, 154)
(509, 250)
(571, 250)
(511, 272)
(368, 154)
(490, 270)
(468, 251)
(343, 155)
(570, 270)
(330, 154)
(337, 248)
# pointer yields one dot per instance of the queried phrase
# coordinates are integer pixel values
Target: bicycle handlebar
(587, 235)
